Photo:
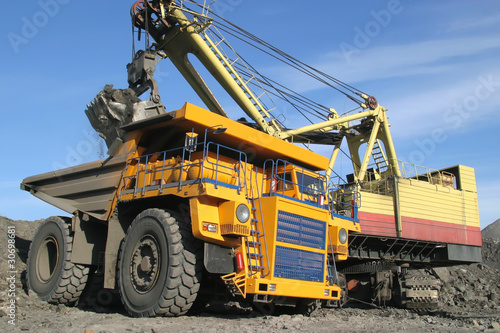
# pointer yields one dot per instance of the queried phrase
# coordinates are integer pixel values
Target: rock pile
(491, 245)
(24, 232)
(475, 286)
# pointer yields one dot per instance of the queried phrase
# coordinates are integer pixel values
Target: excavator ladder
(242, 75)
(379, 157)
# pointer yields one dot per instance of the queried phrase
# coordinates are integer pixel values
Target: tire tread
(73, 277)
(182, 283)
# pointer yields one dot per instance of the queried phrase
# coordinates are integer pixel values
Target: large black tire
(50, 272)
(159, 268)
(95, 297)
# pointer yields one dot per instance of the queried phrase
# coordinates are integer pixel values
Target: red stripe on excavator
(420, 229)
(441, 231)
(377, 224)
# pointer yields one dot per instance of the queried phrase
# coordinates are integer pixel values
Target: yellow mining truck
(180, 196)
(189, 201)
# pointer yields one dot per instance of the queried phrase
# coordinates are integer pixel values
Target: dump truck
(190, 204)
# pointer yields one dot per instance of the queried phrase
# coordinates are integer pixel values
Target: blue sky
(434, 65)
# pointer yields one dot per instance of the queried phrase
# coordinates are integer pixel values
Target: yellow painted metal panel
(250, 139)
(422, 200)
(433, 202)
(377, 203)
(295, 288)
(467, 178)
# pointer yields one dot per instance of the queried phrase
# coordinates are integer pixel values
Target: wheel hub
(47, 259)
(145, 264)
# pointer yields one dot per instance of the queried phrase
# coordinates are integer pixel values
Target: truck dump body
(89, 188)
(259, 145)
(92, 187)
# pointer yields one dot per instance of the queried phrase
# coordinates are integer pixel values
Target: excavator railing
(431, 176)
(205, 6)
(242, 75)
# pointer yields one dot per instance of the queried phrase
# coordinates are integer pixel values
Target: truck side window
(284, 182)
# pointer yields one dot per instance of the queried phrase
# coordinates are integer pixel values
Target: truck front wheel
(50, 272)
(159, 270)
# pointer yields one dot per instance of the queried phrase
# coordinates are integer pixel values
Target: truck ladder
(256, 245)
(332, 274)
(256, 242)
(235, 283)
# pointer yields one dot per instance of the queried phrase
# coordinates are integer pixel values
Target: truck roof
(255, 143)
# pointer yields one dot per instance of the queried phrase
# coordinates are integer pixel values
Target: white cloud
(474, 23)
(406, 59)
(443, 72)
(445, 106)
(456, 61)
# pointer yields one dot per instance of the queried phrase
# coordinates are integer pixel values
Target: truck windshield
(309, 185)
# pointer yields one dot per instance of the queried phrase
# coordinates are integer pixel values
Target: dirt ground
(470, 302)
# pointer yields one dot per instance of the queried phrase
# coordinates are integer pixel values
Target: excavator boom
(178, 36)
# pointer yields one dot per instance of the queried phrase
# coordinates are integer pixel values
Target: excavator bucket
(114, 108)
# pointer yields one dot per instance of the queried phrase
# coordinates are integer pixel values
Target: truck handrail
(347, 206)
(174, 165)
(241, 164)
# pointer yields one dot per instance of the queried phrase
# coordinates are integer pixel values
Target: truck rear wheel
(50, 272)
(159, 271)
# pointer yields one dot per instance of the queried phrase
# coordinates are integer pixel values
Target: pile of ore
(14, 287)
(111, 109)
(475, 286)
(491, 245)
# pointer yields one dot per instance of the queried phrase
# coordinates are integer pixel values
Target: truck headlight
(342, 236)
(242, 213)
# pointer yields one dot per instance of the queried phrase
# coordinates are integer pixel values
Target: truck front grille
(301, 230)
(299, 264)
